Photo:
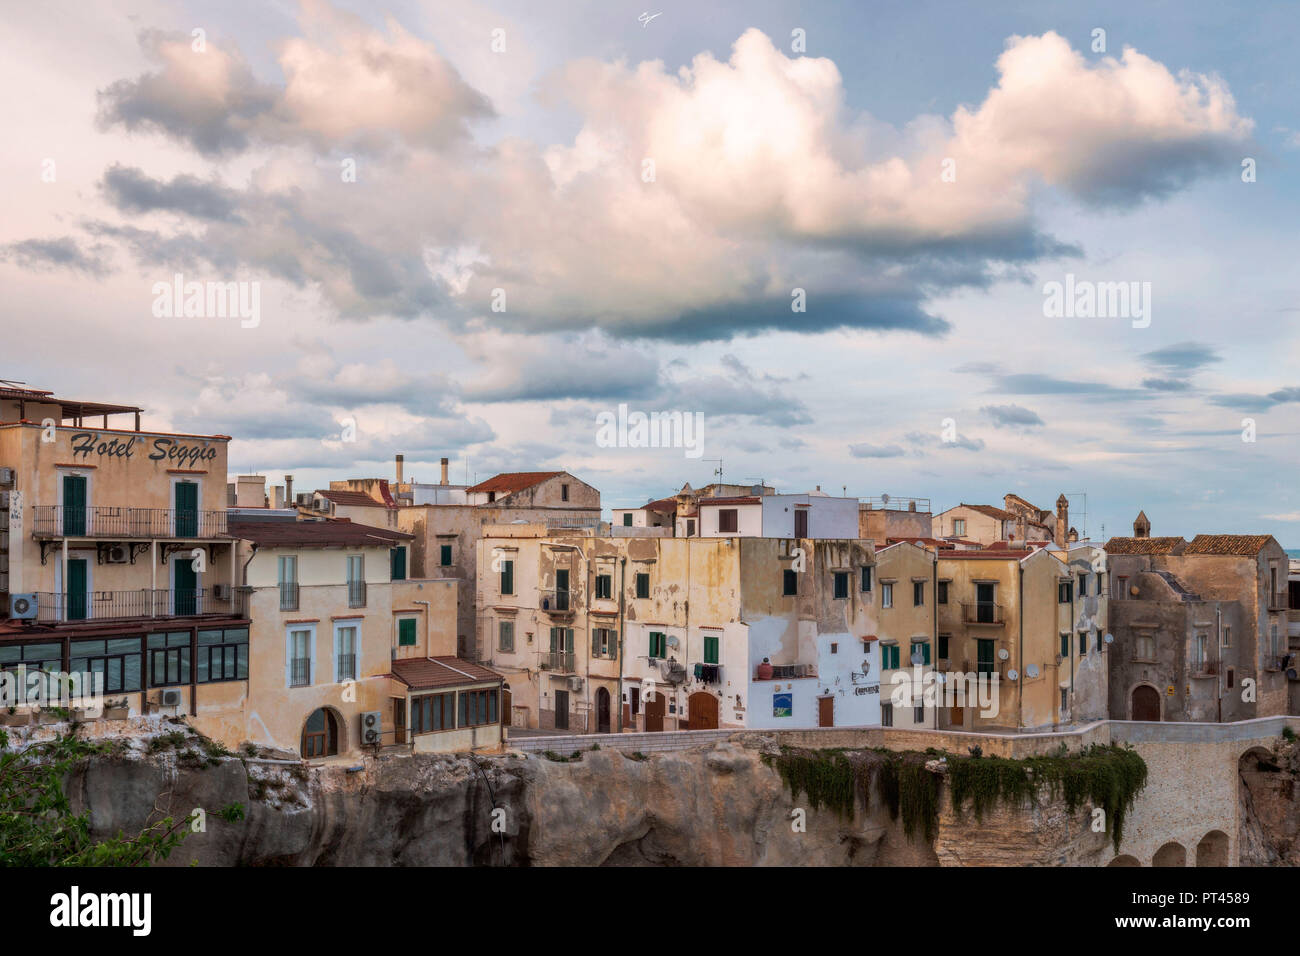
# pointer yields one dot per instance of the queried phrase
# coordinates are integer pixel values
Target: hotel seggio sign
(91, 446)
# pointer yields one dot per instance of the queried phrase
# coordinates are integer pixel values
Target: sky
(832, 230)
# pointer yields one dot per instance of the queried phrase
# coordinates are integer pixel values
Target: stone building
(1200, 627)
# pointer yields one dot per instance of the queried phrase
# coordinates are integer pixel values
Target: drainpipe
(622, 597)
(1218, 643)
(934, 629)
(1020, 651)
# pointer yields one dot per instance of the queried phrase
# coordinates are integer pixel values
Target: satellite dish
(1110, 638)
(1013, 674)
(1031, 670)
(884, 499)
(1003, 654)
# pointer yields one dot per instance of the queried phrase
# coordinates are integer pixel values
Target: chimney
(1062, 521)
(444, 471)
(288, 491)
(401, 459)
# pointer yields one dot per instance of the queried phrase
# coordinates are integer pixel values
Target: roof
(663, 505)
(1243, 544)
(740, 500)
(351, 499)
(423, 672)
(68, 407)
(512, 481)
(1000, 513)
(1145, 546)
(283, 532)
(1000, 555)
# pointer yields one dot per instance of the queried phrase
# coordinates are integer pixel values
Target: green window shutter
(555, 635)
(925, 652)
(444, 555)
(710, 650)
(866, 578)
(507, 577)
(643, 585)
(627, 520)
(406, 632)
(399, 564)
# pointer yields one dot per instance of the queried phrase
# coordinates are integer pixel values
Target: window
(886, 715)
(1144, 648)
(943, 646)
(397, 558)
(642, 585)
(477, 707)
(604, 642)
(564, 492)
(444, 555)
(1227, 635)
(506, 636)
(711, 650)
(356, 580)
(801, 523)
(1200, 649)
(887, 594)
(1065, 645)
(1083, 643)
(918, 593)
(1121, 588)
(1064, 592)
(1272, 639)
(117, 659)
(920, 654)
(941, 592)
(690, 527)
(288, 578)
(300, 648)
(627, 519)
(789, 582)
(604, 585)
(507, 577)
(918, 713)
(222, 655)
(888, 657)
(866, 578)
(561, 589)
(658, 645)
(835, 648)
(728, 519)
(841, 584)
(430, 712)
(169, 659)
(1083, 585)
(345, 652)
(958, 526)
(984, 650)
(1231, 675)
(406, 632)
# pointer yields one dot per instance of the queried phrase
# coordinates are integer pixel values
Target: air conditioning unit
(575, 683)
(6, 476)
(117, 554)
(221, 592)
(372, 727)
(171, 698)
(22, 607)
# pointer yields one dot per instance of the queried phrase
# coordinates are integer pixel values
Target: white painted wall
(827, 517)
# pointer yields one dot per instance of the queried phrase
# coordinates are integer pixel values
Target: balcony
(300, 672)
(356, 594)
(982, 612)
(1277, 663)
(52, 606)
(347, 667)
(1207, 668)
(559, 662)
(788, 672)
(558, 603)
(1279, 601)
(118, 523)
(288, 595)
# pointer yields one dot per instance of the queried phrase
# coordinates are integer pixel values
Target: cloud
(130, 190)
(524, 369)
(864, 450)
(930, 441)
(1256, 403)
(1182, 357)
(1167, 384)
(64, 252)
(344, 87)
(1032, 383)
(1012, 416)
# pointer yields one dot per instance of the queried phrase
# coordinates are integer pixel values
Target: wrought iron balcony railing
(116, 522)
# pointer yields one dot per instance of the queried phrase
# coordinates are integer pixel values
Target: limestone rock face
(717, 805)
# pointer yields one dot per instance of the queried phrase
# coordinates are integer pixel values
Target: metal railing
(562, 662)
(346, 667)
(118, 522)
(288, 595)
(982, 612)
(300, 672)
(356, 594)
(890, 503)
(560, 601)
(141, 603)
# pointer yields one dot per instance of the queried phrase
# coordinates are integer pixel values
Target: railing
(562, 662)
(142, 603)
(347, 667)
(1279, 601)
(288, 595)
(789, 672)
(982, 612)
(558, 601)
(116, 522)
(890, 503)
(1206, 668)
(300, 672)
(356, 594)
(1272, 663)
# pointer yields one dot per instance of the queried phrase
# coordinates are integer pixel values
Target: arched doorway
(1171, 854)
(320, 735)
(702, 711)
(602, 710)
(507, 713)
(1146, 703)
(1124, 861)
(1213, 849)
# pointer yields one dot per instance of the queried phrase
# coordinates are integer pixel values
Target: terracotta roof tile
(999, 513)
(420, 673)
(512, 481)
(1243, 544)
(1145, 546)
(284, 532)
(352, 499)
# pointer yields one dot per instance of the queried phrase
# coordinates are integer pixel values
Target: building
(811, 515)
(888, 518)
(445, 536)
(114, 557)
(1018, 522)
(1201, 627)
(902, 603)
(661, 513)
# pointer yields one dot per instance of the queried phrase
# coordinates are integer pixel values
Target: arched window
(320, 735)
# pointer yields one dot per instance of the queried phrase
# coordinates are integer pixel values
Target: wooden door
(74, 505)
(185, 587)
(561, 710)
(507, 713)
(825, 711)
(78, 600)
(187, 509)
(654, 711)
(702, 711)
(399, 720)
(800, 523)
(602, 711)
(1146, 703)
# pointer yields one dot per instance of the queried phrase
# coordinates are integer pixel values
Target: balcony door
(985, 609)
(561, 590)
(78, 599)
(74, 505)
(187, 509)
(185, 587)
(801, 523)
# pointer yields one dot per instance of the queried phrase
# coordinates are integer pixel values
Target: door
(507, 713)
(825, 711)
(985, 609)
(702, 711)
(956, 717)
(800, 523)
(561, 590)
(602, 711)
(74, 505)
(187, 509)
(561, 710)
(320, 735)
(984, 655)
(78, 599)
(399, 720)
(654, 711)
(185, 588)
(1146, 703)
